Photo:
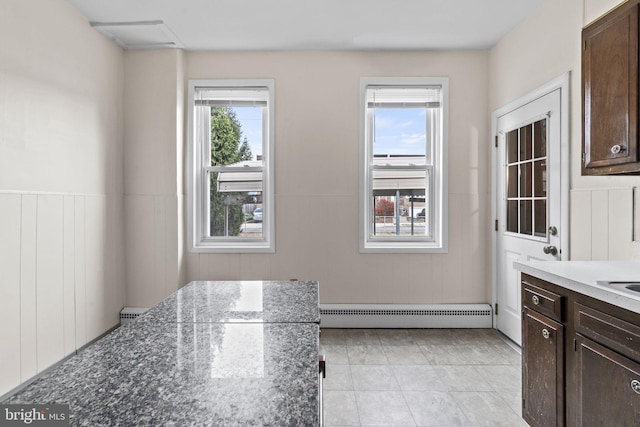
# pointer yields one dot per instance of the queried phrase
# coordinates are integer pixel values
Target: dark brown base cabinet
(605, 380)
(543, 385)
(580, 359)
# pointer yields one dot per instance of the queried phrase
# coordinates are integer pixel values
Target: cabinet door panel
(608, 386)
(610, 74)
(542, 370)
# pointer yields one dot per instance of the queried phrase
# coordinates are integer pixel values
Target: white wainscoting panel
(580, 245)
(159, 249)
(68, 274)
(80, 272)
(49, 280)
(10, 207)
(55, 252)
(152, 240)
(620, 223)
(602, 224)
(139, 243)
(95, 249)
(28, 324)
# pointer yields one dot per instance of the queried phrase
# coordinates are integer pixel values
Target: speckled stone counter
(247, 301)
(158, 372)
(586, 277)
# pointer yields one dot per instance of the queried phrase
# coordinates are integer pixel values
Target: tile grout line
(363, 339)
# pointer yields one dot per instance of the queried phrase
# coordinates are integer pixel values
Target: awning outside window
(235, 180)
(385, 181)
(407, 182)
(395, 180)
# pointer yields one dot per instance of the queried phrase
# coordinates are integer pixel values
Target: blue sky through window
(397, 130)
(251, 123)
(400, 131)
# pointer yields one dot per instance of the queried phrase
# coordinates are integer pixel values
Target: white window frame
(196, 169)
(437, 172)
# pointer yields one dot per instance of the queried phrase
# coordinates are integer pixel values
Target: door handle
(322, 365)
(550, 250)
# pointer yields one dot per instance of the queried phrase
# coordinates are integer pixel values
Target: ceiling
(306, 24)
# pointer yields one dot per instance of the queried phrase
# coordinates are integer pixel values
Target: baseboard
(406, 316)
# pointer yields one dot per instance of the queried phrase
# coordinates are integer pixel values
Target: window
(230, 184)
(403, 165)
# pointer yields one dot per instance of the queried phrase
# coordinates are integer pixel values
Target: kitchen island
(213, 353)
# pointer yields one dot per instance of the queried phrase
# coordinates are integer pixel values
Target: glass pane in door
(540, 139)
(526, 180)
(512, 216)
(512, 181)
(540, 219)
(526, 143)
(512, 146)
(540, 178)
(525, 217)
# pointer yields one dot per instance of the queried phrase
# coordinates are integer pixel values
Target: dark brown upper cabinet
(610, 93)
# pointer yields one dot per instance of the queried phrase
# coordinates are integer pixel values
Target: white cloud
(413, 138)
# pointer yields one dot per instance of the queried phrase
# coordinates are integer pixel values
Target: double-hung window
(230, 176)
(403, 159)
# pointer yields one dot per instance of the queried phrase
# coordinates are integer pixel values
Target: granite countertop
(157, 372)
(247, 301)
(585, 277)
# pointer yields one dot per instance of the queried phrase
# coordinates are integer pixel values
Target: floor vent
(406, 316)
(127, 314)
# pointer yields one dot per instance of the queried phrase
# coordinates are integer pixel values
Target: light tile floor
(421, 377)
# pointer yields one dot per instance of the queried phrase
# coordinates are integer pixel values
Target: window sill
(403, 247)
(232, 249)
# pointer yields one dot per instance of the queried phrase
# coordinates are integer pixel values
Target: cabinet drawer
(542, 301)
(618, 335)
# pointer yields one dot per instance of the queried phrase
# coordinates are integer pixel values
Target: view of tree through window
(231, 189)
(228, 146)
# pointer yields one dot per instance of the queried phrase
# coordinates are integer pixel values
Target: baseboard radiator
(128, 314)
(406, 316)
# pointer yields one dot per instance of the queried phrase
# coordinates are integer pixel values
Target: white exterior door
(528, 198)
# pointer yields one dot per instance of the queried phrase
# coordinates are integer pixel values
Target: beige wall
(596, 8)
(317, 137)
(543, 47)
(153, 175)
(61, 178)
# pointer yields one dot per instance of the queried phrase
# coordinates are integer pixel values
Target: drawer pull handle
(635, 386)
(535, 300)
(546, 335)
(616, 149)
